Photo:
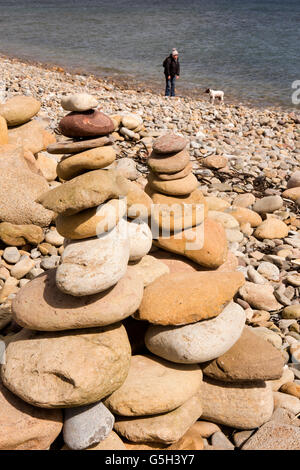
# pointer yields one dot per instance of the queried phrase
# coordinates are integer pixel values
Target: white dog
(213, 94)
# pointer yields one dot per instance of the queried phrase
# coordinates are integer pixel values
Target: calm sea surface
(248, 48)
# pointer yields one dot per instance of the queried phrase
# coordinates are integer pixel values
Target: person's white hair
(174, 51)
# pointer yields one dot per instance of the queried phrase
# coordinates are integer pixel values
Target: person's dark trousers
(170, 86)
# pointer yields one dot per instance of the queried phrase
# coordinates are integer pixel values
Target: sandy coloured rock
(40, 305)
(93, 265)
(154, 386)
(165, 428)
(292, 193)
(85, 191)
(260, 296)
(26, 427)
(271, 228)
(79, 102)
(175, 263)
(18, 235)
(244, 215)
(32, 136)
(148, 268)
(250, 358)
(19, 109)
(3, 131)
(178, 213)
(47, 166)
(19, 207)
(215, 161)
(225, 219)
(183, 298)
(199, 342)
(93, 159)
(61, 370)
(169, 164)
(138, 202)
(241, 406)
(131, 121)
(274, 436)
(176, 176)
(90, 123)
(91, 222)
(216, 203)
(205, 244)
(180, 187)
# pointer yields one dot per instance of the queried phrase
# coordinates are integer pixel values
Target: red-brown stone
(90, 123)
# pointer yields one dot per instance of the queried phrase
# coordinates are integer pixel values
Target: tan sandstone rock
(25, 427)
(40, 305)
(154, 386)
(58, 370)
(19, 109)
(85, 191)
(182, 298)
(236, 405)
(165, 428)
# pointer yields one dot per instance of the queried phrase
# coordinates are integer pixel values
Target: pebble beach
(139, 343)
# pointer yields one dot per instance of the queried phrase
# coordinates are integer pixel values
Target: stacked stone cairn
(133, 348)
(194, 319)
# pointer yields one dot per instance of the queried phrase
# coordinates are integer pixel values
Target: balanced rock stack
(73, 350)
(180, 207)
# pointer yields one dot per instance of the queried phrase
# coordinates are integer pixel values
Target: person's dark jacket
(172, 67)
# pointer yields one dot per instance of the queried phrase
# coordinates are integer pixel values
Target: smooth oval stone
(205, 244)
(271, 228)
(87, 425)
(169, 143)
(183, 298)
(79, 102)
(178, 213)
(180, 187)
(93, 159)
(227, 220)
(251, 358)
(19, 109)
(40, 305)
(72, 368)
(154, 386)
(91, 222)
(131, 121)
(93, 265)
(87, 124)
(241, 406)
(198, 342)
(85, 191)
(166, 428)
(26, 427)
(140, 239)
(244, 215)
(176, 176)
(169, 163)
(18, 206)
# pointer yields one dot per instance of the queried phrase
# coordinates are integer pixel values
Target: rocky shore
(117, 337)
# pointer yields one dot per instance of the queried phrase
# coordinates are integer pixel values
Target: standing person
(171, 71)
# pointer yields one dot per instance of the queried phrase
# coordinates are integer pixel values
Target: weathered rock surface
(182, 298)
(154, 386)
(198, 342)
(40, 305)
(58, 370)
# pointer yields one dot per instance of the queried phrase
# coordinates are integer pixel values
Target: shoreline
(125, 82)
